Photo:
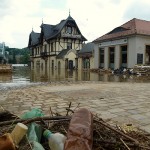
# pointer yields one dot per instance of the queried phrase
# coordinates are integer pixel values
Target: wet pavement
(120, 102)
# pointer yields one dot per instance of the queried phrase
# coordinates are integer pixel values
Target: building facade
(86, 57)
(124, 46)
(56, 46)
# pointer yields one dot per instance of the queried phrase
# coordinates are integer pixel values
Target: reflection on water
(23, 76)
(78, 75)
(19, 75)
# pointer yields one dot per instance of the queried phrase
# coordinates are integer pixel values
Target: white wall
(141, 42)
(91, 62)
(137, 44)
(131, 52)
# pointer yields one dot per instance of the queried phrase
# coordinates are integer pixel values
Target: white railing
(78, 36)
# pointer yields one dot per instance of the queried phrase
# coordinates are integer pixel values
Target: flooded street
(123, 99)
(22, 76)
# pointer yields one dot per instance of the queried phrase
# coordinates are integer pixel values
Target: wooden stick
(2, 107)
(117, 131)
(124, 144)
(76, 107)
(68, 109)
(51, 111)
(121, 133)
(26, 121)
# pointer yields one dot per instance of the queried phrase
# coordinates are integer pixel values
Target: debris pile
(136, 70)
(142, 70)
(103, 135)
(5, 68)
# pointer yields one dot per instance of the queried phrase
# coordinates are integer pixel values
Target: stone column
(117, 57)
(96, 56)
(79, 63)
(106, 58)
(32, 64)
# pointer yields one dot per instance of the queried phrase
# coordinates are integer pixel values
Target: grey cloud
(115, 1)
(139, 10)
(5, 8)
(4, 4)
(53, 3)
(101, 4)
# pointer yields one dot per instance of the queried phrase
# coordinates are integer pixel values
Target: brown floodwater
(23, 76)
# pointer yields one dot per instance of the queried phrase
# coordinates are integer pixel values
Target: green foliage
(23, 54)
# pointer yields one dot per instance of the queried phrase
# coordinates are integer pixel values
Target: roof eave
(114, 38)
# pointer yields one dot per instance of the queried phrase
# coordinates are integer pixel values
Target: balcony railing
(67, 35)
(45, 54)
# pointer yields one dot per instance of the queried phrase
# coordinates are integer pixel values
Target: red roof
(132, 27)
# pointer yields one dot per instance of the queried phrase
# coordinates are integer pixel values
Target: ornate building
(56, 46)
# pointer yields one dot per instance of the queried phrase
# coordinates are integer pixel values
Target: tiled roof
(33, 38)
(132, 27)
(88, 47)
(62, 53)
(51, 31)
(86, 50)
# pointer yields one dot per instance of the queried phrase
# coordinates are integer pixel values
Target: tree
(23, 53)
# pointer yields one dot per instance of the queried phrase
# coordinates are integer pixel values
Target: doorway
(147, 57)
(86, 63)
(101, 58)
(111, 57)
(71, 64)
(124, 56)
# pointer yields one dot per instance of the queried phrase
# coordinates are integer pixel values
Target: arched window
(69, 30)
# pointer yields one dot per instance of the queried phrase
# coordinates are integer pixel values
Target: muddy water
(22, 76)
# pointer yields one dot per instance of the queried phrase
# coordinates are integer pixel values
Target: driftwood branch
(124, 144)
(117, 131)
(26, 121)
(122, 134)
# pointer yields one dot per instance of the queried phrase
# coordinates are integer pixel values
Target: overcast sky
(93, 17)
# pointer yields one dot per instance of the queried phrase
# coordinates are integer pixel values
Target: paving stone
(146, 128)
(111, 100)
(116, 110)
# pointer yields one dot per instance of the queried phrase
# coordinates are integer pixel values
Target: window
(45, 48)
(101, 55)
(52, 49)
(36, 51)
(139, 58)
(69, 45)
(111, 54)
(69, 30)
(124, 54)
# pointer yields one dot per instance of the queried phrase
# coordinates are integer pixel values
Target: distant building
(124, 46)
(3, 54)
(56, 46)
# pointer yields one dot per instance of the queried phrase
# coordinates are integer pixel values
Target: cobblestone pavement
(119, 102)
